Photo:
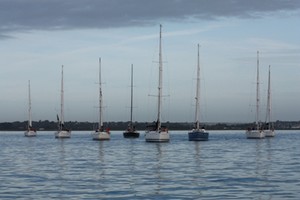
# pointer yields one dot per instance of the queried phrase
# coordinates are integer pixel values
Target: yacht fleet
(157, 132)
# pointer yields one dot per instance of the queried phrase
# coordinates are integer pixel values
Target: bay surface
(228, 166)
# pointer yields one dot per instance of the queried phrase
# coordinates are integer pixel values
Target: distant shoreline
(119, 126)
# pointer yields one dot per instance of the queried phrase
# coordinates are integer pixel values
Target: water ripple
(228, 166)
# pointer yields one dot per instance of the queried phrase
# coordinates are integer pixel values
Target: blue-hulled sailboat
(197, 133)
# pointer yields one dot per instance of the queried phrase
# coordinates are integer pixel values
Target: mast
(269, 100)
(100, 97)
(197, 91)
(29, 106)
(62, 96)
(159, 82)
(131, 101)
(257, 94)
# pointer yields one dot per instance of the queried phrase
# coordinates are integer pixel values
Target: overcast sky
(38, 36)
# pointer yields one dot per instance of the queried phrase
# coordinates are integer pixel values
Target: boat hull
(198, 135)
(62, 134)
(157, 136)
(100, 135)
(255, 134)
(131, 134)
(30, 133)
(269, 133)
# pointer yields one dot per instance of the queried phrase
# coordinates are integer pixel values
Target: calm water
(228, 166)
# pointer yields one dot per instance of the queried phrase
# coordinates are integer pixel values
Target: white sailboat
(100, 133)
(257, 131)
(62, 131)
(131, 132)
(30, 132)
(270, 132)
(157, 132)
(197, 133)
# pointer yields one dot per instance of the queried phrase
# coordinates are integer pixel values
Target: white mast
(29, 106)
(257, 94)
(100, 98)
(131, 102)
(159, 82)
(269, 100)
(62, 96)
(198, 92)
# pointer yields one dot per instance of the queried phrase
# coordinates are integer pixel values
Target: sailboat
(131, 132)
(62, 131)
(100, 133)
(198, 134)
(270, 132)
(30, 132)
(257, 131)
(156, 132)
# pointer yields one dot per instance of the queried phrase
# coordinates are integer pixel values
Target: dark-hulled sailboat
(131, 131)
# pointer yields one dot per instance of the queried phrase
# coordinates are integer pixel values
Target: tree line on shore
(85, 126)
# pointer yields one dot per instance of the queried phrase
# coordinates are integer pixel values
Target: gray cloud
(20, 15)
